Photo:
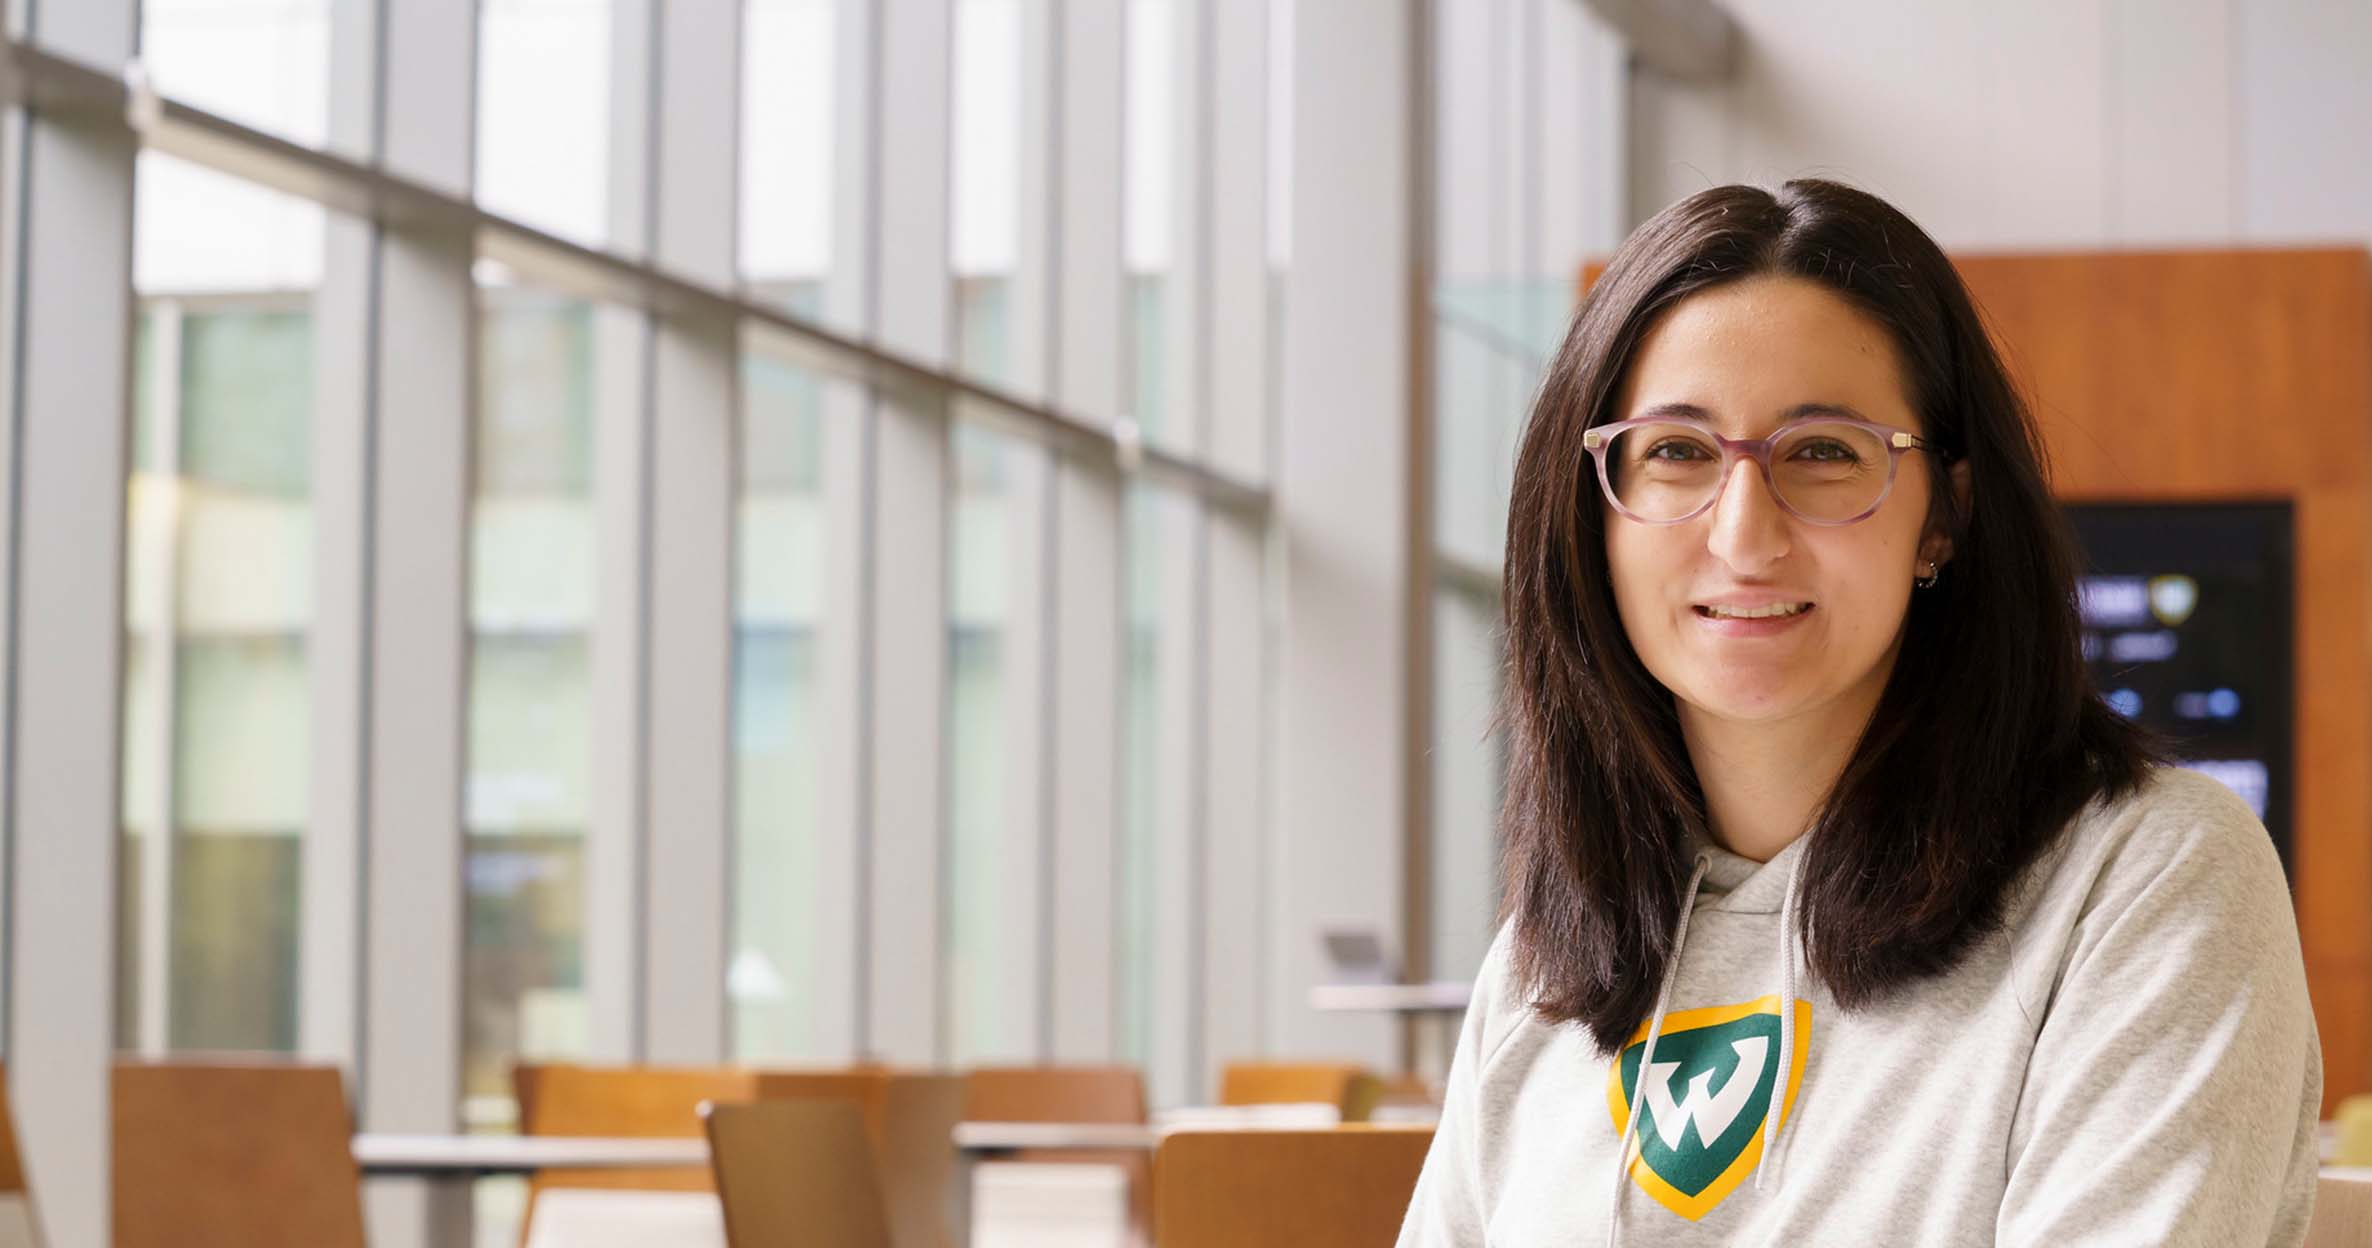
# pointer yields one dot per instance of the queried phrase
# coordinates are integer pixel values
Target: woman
(1839, 909)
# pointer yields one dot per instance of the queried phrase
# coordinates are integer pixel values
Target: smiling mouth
(1775, 611)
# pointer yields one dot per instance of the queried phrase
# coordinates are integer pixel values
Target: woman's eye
(1680, 450)
(1824, 449)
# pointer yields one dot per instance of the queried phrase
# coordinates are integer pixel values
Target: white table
(470, 1156)
(1443, 1000)
(1442, 996)
(991, 1138)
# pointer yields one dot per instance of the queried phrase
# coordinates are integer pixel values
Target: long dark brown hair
(1988, 738)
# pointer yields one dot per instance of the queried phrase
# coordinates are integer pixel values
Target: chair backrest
(796, 1172)
(1104, 1094)
(253, 1155)
(623, 1102)
(914, 1142)
(17, 1227)
(1055, 1094)
(910, 1119)
(1347, 1086)
(2342, 1212)
(1343, 1187)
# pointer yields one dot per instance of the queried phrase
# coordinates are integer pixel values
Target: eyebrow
(1801, 411)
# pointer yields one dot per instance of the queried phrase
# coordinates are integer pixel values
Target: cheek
(1641, 564)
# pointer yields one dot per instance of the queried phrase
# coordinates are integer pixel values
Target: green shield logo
(1705, 1106)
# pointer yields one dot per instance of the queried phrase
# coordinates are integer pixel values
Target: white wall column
(68, 184)
(1348, 472)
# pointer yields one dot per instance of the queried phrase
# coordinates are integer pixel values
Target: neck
(1763, 781)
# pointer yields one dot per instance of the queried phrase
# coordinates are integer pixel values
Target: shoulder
(1500, 1003)
(2178, 827)
(2179, 856)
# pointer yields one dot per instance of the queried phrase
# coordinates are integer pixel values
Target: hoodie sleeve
(1446, 1210)
(2172, 1094)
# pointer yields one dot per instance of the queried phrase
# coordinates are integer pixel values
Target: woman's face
(1746, 353)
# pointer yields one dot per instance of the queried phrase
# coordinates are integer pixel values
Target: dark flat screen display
(2187, 629)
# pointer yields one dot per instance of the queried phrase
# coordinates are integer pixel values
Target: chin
(1746, 697)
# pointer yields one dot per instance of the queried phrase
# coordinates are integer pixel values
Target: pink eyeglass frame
(1599, 438)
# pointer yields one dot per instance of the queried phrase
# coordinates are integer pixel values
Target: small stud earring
(1927, 579)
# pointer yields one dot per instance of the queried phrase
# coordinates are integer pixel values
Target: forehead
(1750, 350)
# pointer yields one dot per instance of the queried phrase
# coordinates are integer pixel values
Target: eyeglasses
(1826, 471)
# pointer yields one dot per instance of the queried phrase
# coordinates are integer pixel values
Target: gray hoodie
(2130, 1061)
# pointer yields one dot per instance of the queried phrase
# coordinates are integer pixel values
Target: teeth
(1758, 613)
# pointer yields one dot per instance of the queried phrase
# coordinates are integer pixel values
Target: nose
(1750, 530)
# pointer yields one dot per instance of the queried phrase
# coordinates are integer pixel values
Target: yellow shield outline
(1696, 1207)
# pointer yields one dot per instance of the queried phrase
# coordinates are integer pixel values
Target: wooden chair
(909, 1122)
(793, 1173)
(910, 1119)
(2342, 1213)
(1347, 1086)
(17, 1226)
(1101, 1094)
(622, 1102)
(251, 1155)
(1346, 1187)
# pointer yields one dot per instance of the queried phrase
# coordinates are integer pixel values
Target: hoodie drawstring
(1769, 1161)
(1655, 1029)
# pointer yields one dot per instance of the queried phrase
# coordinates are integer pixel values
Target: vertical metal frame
(617, 823)
(69, 187)
(845, 642)
(1085, 687)
(398, 378)
(695, 425)
(1175, 1057)
(1030, 651)
(908, 633)
(1234, 729)
(153, 952)
(345, 355)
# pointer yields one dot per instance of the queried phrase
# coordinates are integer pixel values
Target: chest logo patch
(1707, 1101)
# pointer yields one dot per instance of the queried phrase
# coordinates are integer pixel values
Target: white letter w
(1713, 1113)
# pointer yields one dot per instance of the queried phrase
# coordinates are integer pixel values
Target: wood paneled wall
(2141, 367)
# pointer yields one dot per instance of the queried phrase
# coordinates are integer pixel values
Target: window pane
(1469, 775)
(218, 608)
(1158, 566)
(531, 619)
(990, 937)
(543, 114)
(984, 209)
(789, 110)
(261, 63)
(1145, 160)
(772, 983)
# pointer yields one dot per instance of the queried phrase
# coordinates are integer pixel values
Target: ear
(1936, 547)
